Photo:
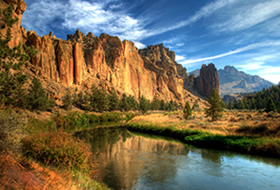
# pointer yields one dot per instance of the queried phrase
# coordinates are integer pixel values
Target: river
(126, 160)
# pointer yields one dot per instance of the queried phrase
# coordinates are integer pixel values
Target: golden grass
(229, 124)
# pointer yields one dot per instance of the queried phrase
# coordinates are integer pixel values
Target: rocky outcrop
(86, 59)
(207, 80)
(162, 62)
(234, 81)
(18, 32)
(83, 60)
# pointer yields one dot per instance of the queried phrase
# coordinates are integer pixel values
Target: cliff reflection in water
(123, 158)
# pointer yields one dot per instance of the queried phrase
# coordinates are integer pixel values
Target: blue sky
(244, 34)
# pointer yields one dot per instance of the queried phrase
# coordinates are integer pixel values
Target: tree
(114, 102)
(37, 97)
(12, 79)
(124, 103)
(187, 110)
(132, 102)
(67, 100)
(155, 105)
(214, 106)
(144, 104)
(99, 100)
(270, 107)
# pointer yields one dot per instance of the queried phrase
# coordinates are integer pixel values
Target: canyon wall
(83, 60)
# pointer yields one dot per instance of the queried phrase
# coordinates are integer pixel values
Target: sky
(243, 34)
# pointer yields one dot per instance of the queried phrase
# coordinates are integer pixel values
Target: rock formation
(207, 80)
(83, 60)
(18, 32)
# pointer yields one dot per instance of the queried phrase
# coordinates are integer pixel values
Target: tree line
(267, 100)
(98, 100)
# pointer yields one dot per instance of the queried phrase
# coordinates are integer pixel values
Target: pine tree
(99, 100)
(187, 110)
(114, 101)
(144, 104)
(37, 97)
(124, 103)
(155, 105)
(12, 79)
(270, 107)
(132, 102)
(162, 105)
(214, 106)
(67, 100)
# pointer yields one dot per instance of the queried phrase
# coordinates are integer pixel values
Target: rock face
(162, 62)
(83, 60)
(18, 32)
(86, 59)
(207, 80)
(234, 81)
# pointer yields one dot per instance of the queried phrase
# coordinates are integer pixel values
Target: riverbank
(244, 132)
(38, 150)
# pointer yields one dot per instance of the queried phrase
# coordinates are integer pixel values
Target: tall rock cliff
(83, 60)
(18, 32)
(207, 80)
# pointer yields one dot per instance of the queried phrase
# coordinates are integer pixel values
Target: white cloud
(99, 16)
(205, 11)
(180, 44)
(238, 50)
(139, 45)
(274, 78)
(179, 58)
(248, 16)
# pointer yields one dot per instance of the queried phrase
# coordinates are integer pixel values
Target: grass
(253, 145)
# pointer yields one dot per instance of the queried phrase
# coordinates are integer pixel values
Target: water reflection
(127, 160)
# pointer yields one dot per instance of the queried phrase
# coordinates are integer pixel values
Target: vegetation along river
(126, 160)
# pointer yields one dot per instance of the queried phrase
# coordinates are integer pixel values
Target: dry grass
(22, 174)
(231, 123)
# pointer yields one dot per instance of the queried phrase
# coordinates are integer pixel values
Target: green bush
(58, 149)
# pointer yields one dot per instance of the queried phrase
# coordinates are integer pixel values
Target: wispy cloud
(238, 50)
(205, 11)
(245, 17)
(104, 16)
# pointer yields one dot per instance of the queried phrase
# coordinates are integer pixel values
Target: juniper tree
(67, 100)
(12, 79)
(144, 104)
(124, 106)
(114, 102)
(187, 110)
(37, 97)
(214, 106)
(270, 107)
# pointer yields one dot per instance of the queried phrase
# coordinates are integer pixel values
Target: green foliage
(155, 104)
(10, 126)
(252, 145)
(67, 100)
(215, 106)
(58, 149)
(132, 102)
(270, 107)
(124, 106)
(77, 121)
(12, 79)
(37, 97)
(99, 100)
(144, 105)
(187, 110)
(260, 100)
(114, 102)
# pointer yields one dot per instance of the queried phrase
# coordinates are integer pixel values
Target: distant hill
(233, 81)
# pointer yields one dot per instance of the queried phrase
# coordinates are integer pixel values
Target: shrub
(58, 149)
(10, 125)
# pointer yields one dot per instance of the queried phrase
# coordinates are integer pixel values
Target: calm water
(125, 161)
